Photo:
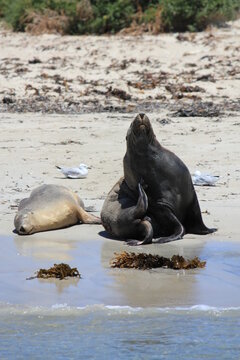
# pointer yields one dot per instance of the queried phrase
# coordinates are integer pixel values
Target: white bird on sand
(79, 172)
(204, 179)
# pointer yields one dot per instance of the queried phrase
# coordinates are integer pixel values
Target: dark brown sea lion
(51, 207)
(172, 201)
(155, 201)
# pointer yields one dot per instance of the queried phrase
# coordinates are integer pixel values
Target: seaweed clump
(58, 271)
(144, 261)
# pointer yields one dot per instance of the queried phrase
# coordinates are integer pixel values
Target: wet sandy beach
(74, 106)
(33, 144)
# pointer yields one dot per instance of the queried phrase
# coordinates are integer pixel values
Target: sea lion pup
(51, 207)
(172, 201)
(123, 216)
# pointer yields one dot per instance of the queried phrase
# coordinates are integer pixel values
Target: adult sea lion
(51, 207)
(172, 201)
(172, 208)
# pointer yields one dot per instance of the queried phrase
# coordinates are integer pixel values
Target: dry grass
(141, 24)
(49, 22)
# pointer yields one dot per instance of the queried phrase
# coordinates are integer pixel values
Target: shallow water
(100, 332)
(216, 285)
(118, 313)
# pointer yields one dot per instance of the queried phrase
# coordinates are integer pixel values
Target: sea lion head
(24, 223)
(140, 133)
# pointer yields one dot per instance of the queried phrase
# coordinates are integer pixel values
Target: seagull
(79, 172)
(204, 179)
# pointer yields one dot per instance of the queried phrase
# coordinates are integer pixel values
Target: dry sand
(33, 143)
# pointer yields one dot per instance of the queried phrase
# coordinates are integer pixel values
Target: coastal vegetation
(105, 16)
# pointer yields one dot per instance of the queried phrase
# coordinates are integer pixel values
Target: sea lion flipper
(146, 228)
(124, 213)
(138, 211)
(166, 239)
(142, 203)
(87, 218)
(194, 223)
(172, 224)
(211, 230)
(202, 231)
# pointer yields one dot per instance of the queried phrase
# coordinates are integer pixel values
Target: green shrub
(181, 15)
(3, 7)
(105, 16)
(149, 15)
(111, 16)
(216, 12)
(15, 11)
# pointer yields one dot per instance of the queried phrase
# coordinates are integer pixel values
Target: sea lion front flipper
(144, 227)
(142, 204)
(87, 218)
(194, 223)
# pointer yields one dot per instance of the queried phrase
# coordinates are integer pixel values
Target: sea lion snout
(23, 224)
(141, 124)
(141, 121)
(22, 230)
(140, 129)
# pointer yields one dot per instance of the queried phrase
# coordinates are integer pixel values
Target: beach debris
(121, 94)
(30, 87)
(165, 121)
(187, 37)
(58, 271)
(206, 77)
(142, 84)
(200, 179)
(7, 100)
(145, 261)
(79, 172)
(35, 61)
(198, 109)
(183, 88)
(149, 80)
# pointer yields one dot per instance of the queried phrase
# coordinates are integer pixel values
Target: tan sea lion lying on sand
(51, 207)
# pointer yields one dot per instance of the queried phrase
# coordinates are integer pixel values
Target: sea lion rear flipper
(171, 224)
(87, 218)
(146, 228)
(165, 239)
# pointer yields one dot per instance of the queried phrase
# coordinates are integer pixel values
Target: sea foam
(58, 309)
